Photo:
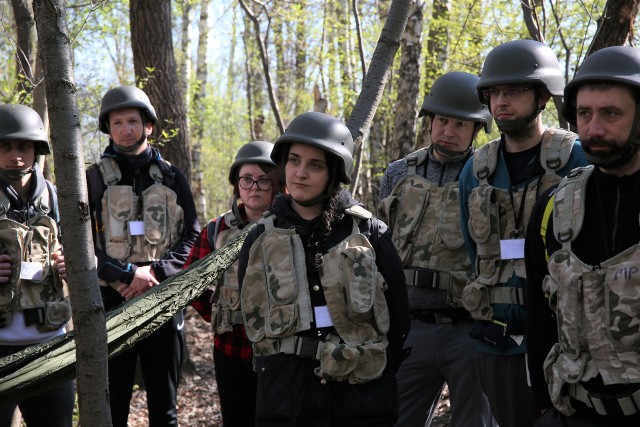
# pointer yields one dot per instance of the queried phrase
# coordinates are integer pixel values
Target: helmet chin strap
(322, 197)
(506, 126)
(622, 155)
(451, 155)
(131, 148)
(16, 174)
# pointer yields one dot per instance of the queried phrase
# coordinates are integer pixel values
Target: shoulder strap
(415, 159)
(109, 170)
(545, 221)
(485, 160)
(568, 218)
(556, 149)
(213, 229)
(359, 212)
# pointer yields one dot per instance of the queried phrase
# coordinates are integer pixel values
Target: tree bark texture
(155, 67)
(66, 138)
(615, 26)
(378, 75)
(408, 85)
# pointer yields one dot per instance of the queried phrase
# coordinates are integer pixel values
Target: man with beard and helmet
(583, 258)
(33, 307)
(498, 189)
(419, 201)
(323, 294)
(144, 225)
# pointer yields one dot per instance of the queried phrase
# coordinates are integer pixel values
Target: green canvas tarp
(53, 361)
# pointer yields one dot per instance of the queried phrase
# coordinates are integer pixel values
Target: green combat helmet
(21, 123)
(251, 152)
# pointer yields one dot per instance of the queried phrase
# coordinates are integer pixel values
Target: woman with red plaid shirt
(255, 184)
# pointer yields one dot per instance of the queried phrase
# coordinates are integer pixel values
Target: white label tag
(512, 249)
(517, 338)
(136, 228)
(30, 271)
(323, 317)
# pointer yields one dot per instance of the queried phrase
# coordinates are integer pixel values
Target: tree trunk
(437, 48)
(408, 85)
(615, 26)
(155, 67)
(377, 75)
(66, 138)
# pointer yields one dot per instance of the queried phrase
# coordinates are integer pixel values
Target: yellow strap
(545, 220)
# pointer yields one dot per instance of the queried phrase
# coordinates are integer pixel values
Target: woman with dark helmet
(326, 315)
(255, 184)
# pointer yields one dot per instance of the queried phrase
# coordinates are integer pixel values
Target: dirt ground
(198, 404)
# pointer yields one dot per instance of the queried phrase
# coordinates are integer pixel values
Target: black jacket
(137, 176)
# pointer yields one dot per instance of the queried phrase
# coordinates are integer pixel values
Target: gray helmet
(454, 95)
(21, 123)
(251, 152)
(124, 97)
(521, 61)
(616, 64)
(323, 131)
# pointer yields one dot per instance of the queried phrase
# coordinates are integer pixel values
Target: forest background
(311, 55)
(220, 73)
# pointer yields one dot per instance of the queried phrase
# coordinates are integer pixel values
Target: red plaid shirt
(232, 344)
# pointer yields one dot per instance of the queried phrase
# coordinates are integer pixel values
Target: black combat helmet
(124, 97)
(251, 152)
(322, 131)
(21, 123)
(454, 95)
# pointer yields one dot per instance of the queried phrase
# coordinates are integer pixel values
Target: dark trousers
(160, 360)
(237, 383)
(585, 418)
(51, 408)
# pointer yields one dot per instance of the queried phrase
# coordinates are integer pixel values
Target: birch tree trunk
(86, 303)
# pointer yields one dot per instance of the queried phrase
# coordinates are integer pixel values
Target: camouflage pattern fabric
(491, 218)
(34, 242)
(225, 307)
(276, 302)
(32, 369)
(425, 219)
(598, 311)
(163, 222)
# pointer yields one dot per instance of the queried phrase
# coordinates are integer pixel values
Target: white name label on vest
(512, 249)
(136, 228)
(323, 317)
(30, 271)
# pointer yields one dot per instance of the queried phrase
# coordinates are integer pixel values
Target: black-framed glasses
(246, 183)
(507, 93)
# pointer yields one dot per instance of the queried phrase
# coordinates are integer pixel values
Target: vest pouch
(459, 280)
(475, 298)
(337, 361)
(56, 315)
(221, 320)
(119, 205)
(556, 383)
(403, 211)
(449, 235)
(622, 306)
(489, 271)
(11, 237)
(42, 244)
(359, 273)
(371, 363)
(253, 297)
(155, 214)
(484, 221)
(380, 308)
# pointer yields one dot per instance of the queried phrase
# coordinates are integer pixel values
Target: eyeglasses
(507, 93)
(246, 182)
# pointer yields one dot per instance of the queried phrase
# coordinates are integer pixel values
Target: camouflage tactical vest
(276, 303)
(598, 309)
(225, 301)
(34, 242)
(425, 220)
(157, 208)
(491, 220)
